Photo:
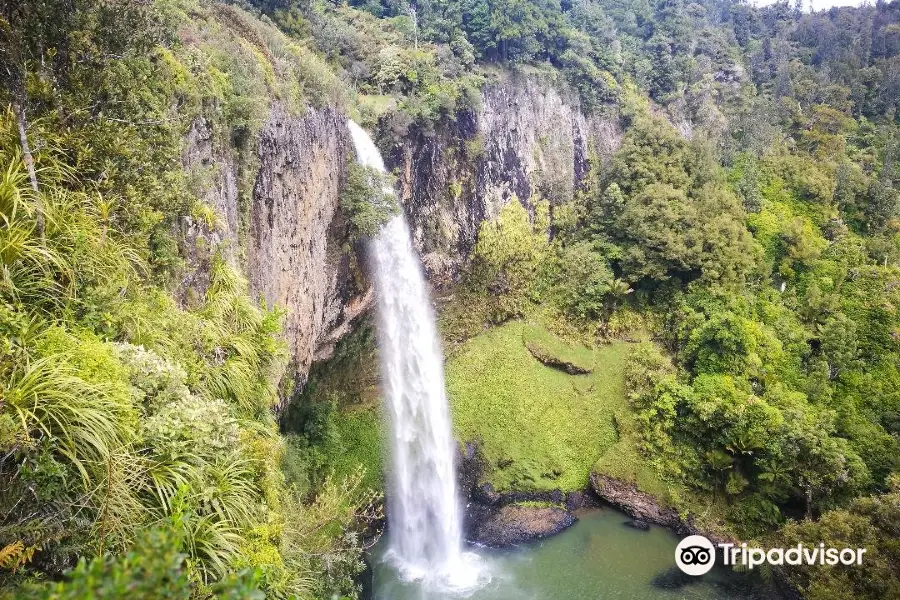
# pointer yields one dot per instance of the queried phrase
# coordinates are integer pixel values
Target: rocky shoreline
(498, 520)
(644, 508)
(508, 519)
(501, 520)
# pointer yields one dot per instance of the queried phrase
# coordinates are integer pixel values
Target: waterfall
(425, 538)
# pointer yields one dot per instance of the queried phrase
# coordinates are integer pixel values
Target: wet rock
(629, 499)
(499, 519)
(574, 500)
(642, 506)
(471, 451)
(486, 494)
(516, 524)
(469, 467)
(638, 524)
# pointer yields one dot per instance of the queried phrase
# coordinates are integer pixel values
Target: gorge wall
(528, 140)
(292, 241)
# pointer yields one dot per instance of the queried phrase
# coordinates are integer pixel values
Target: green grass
(537, 504)
(623, 461)
(539, 428)
(358, 444)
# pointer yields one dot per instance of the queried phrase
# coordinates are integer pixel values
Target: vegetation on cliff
(746, 224)
(138, 447)
(746, 229)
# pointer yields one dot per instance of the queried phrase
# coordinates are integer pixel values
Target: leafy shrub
(155, 567)
(508, 254)
(367, 199)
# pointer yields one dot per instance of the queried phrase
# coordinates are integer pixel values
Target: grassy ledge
(538, 427)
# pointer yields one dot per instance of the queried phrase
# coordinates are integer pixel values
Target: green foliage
(359, 443)
(585, 286)
(872, 523)
(668, 209)
(508, 255)
(322, 540)
(154, 567)
(645, 369)
(773, 385)
(101, 437)
(367, 199)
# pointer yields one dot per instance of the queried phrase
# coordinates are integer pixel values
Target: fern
(15, 555)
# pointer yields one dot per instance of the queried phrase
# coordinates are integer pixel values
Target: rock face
(297, 249)
(211, 162)
(507, 519)
(629, 499)
(515, 524)
(554, 362)
(529, 140)
(535, 144)
(644, 508)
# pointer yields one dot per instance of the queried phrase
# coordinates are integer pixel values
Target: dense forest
(743, 239)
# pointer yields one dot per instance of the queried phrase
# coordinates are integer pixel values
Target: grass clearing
(358, 443)
(538, 427)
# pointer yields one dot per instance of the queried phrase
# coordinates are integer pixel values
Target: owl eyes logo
(695, 555)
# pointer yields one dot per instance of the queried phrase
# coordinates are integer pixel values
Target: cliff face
(295, 251)
(298, 254)
(527, 141)
(211, 164)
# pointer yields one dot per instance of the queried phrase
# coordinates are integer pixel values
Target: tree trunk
(29, 163)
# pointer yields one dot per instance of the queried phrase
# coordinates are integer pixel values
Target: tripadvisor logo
(696, 555)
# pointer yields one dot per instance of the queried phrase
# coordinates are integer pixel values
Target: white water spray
(423, 506)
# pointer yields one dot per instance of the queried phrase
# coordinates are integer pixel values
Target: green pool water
(599, 558)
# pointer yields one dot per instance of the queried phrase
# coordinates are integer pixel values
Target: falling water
(423, 507)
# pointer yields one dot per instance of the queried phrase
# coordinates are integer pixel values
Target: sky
(818, 4)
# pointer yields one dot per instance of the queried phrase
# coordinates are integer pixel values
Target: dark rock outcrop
(643, 507)
(555, 362)
(500, 519)
(638, 524)
(516, 524)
